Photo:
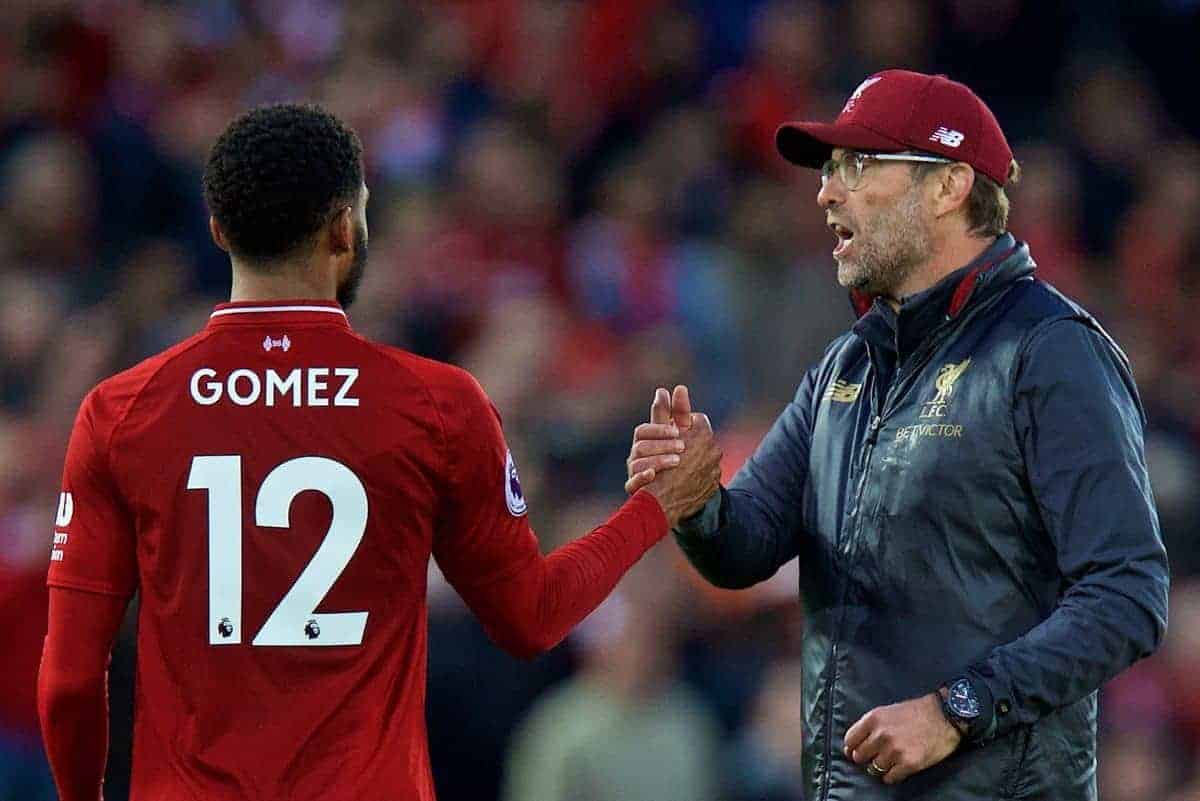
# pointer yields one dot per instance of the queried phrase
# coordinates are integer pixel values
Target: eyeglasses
(849, 169)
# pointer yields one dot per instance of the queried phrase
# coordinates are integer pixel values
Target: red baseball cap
(898, 110)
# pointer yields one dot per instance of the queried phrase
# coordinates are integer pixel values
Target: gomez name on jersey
(302, 386)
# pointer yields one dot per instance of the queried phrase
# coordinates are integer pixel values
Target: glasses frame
(861, 160)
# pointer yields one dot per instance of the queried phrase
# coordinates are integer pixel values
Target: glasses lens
(852, 170)
(827, 170)
(848, 170)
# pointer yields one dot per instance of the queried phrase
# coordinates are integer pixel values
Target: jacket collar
(1005, 261)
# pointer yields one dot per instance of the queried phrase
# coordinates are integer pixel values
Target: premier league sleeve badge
(512, 488)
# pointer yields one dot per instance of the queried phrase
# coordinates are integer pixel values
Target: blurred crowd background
(579, 201)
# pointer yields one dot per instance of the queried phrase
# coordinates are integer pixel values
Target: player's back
(284, 479)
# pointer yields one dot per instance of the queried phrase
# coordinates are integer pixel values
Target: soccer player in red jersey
(273, 488)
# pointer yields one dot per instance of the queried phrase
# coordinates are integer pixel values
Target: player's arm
(484, 544)
(73, 688)
(93, 574)
(1080, 426)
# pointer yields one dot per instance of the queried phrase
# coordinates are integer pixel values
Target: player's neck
(284, 282)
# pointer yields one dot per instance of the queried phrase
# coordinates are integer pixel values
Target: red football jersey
(273, 488)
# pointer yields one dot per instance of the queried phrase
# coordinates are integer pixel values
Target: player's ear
(218, 235)
(341, 231)
(954, 187)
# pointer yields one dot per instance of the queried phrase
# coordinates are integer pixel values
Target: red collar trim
(275, 311)
(862, 302)
(966, 287)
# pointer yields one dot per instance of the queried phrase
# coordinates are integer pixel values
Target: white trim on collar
(249, 309)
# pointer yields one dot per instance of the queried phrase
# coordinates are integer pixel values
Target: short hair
(275, 175)
(987, 206)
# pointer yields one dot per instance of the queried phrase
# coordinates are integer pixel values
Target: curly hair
(275, 174)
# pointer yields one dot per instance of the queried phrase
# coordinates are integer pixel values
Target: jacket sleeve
(1080, 424)
(749, 530)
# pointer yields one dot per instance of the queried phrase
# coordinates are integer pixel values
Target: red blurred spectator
(787, 49)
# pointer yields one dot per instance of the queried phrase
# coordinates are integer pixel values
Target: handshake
(675, 456)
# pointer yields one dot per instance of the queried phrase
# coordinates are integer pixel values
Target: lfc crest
(947, 377)
(862, 87)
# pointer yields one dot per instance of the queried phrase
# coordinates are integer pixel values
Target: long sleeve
(533, 608)
(92, 575)
(73, 688)
(749, 530)
(1080, 425)
(486, 547)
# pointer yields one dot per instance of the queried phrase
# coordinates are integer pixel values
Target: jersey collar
(265, 312)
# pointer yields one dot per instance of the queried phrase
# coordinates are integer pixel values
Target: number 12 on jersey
(294, 621)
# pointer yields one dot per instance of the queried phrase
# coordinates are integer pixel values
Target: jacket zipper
(868, 449)
(865, 463)
(903, 383)
(890, 397)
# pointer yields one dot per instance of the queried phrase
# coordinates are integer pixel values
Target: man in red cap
(961, 476)
(906, 118)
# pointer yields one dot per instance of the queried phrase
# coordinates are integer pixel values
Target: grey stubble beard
(891, 247)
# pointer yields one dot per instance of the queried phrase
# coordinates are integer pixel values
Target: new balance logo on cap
(947, 136)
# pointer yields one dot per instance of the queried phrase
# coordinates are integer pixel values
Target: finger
(655, 463)
(867, 750)
(681, 406)
(700, 421)
(656, 431)
(638, 480)
(856, 734)
(897, 774)
(660, 409)
(655, 447)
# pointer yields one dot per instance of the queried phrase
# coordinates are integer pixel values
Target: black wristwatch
(960, 705)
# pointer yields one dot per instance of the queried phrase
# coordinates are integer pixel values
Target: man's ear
(218, 235)
(341, 231)
(954, 188)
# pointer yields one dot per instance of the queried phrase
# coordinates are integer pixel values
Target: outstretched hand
(657, 444)
(675, 456)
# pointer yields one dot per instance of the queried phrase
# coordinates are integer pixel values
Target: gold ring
(875, 770)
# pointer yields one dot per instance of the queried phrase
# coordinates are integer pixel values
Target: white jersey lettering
(343, 395)
(302, 386)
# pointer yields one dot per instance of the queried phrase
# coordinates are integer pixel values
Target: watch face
(962, 701)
